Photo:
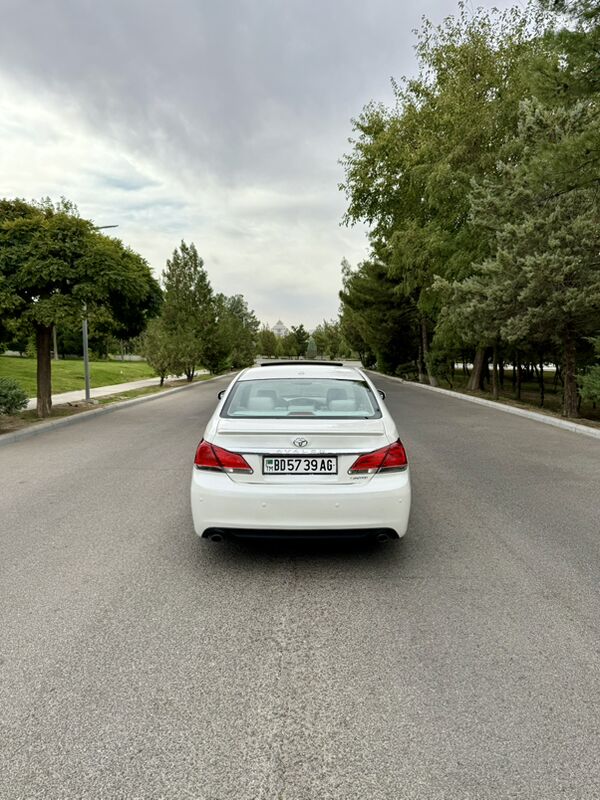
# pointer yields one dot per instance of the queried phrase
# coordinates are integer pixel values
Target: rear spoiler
(302, 363)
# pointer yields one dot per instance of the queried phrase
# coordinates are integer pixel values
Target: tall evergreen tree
(188, 312)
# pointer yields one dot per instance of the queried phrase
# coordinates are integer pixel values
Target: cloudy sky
(217, 121)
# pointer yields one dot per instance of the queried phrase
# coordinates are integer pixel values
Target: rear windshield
(302, 397)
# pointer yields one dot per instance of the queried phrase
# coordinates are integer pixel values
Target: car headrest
(336, 393)
(342, 405)
(260, 403)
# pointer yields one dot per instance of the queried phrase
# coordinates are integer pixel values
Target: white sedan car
(301, 449)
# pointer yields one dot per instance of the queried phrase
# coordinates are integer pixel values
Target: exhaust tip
(216, 536)
(382, 537)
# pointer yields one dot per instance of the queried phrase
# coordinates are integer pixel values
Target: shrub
(590, 385)
(12, 396)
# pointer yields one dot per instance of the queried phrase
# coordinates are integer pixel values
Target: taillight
(387, 459)
(217, 459)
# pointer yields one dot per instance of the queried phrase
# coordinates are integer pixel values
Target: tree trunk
(501, 371)
(43, 342)
(162, 379)
(54, 344)
(424, 338)
(541, 371)
(513, 379)
(519, 378)
(495, 392)
(485, 373)
(420, 364)
(476, 376)
(570, 377)
(557, 375)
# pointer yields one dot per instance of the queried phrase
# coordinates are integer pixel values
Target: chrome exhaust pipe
(382, 537)
(216, 537)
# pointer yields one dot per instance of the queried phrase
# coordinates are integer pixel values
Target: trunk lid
(309, 438)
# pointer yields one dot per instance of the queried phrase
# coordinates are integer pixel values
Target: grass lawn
(25, 419)
(67, 376)
(530, 395)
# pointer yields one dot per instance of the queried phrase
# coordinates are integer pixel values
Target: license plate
(300, 465)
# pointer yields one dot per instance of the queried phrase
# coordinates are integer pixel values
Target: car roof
(301, 370)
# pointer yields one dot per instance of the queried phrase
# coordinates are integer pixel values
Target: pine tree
(188, 313)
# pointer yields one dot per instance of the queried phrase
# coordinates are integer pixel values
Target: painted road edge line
(42, 427)
(519, 412)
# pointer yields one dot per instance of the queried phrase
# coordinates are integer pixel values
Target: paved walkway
(101, 391)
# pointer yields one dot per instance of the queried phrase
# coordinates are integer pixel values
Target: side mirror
(221, 393)
(381, 394)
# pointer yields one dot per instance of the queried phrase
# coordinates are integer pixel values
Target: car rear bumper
(218, 503)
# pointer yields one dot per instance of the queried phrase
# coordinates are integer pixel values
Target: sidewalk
(78, 395)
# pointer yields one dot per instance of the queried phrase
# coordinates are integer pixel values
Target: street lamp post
(86, 358)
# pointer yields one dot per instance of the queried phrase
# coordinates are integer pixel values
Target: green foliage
(378, 319)
(288, 346)
(328, 339)
(311, 348)
(188, 313)
(53, 262)
(480, 190)
(301, 337)
(590, 382)
(266, 342)
(56, 266)
(196, 326)
(12, 396)
(242, 332)
(157, 348)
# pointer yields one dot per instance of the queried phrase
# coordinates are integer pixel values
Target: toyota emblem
(300, 441)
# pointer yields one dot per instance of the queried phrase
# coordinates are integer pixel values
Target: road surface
(137, 662)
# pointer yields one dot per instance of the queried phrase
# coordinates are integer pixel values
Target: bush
(590, 382)
(590, 385)
(12, 396)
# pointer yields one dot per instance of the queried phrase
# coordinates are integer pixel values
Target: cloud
(220, 123)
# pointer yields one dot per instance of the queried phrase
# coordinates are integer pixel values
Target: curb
(35, 430)
(519, 412)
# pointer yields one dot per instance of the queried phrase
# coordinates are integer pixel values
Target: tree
(301, 337)
(328, 339)
(590, 382)
(377, 313)
(410, 172)
(350, 327)
(218, 343)
(541, 286)
(243, 330)
(311, 348)
(267, 342)
(288, 346)
(157, 348)
(55, 267)
(188, 313)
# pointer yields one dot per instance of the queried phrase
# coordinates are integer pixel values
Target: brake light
(386, 459)
(217, 459)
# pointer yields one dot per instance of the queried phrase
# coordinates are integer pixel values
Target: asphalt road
(138, 662)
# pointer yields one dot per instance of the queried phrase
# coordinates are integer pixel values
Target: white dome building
(279, 329)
